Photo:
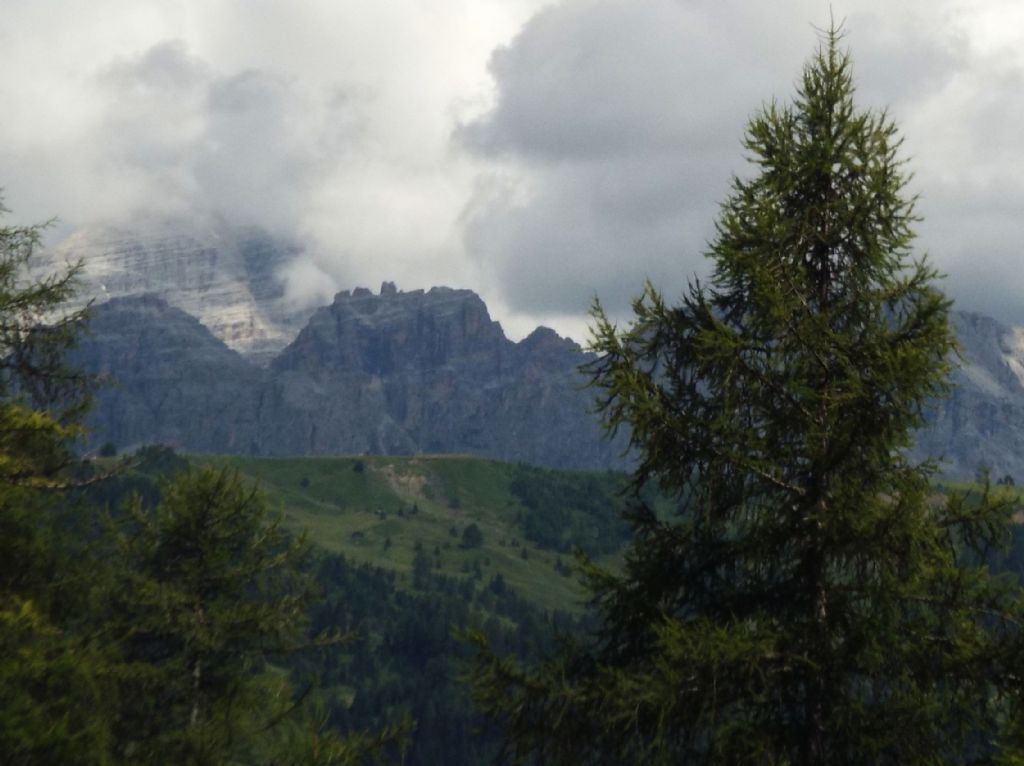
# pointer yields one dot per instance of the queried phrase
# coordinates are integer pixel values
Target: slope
(382, 510)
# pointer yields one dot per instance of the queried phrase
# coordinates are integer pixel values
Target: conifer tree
(811, 601)
(212, 587)
(167, 661)
(50, 685)
(213, 590)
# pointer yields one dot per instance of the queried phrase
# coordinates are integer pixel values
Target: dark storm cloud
(164, 69)
(973, 231)
(899, 62)
(595, 229)
(588, 81)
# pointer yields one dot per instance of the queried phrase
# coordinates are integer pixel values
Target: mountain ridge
(397, 372)
(391, 373)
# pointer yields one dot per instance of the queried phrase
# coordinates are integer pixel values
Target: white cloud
(591, 153)
(326, 121)
(617, 125)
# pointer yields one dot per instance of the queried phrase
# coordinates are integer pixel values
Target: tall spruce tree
(811, 601)
(51, 680)
(212, 591)
(212, 587)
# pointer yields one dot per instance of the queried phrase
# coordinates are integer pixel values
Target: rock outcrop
(395, 373)
(980, 425)
(430, 372)
(401, 373)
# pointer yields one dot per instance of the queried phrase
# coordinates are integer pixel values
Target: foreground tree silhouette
(810, 602)
(150, 644)
(51, 684)
(212, 591)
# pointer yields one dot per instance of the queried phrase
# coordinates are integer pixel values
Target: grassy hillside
(381, 510)
(427, 579)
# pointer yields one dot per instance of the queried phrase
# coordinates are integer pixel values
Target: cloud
(325, 122)
(538, 152)
(900, 58)
(249, 147)
(597, 80)
(593, 229)
(617, 125)
(256, 160)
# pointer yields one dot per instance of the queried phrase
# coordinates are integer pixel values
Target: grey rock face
(395, 373)
(402, 373)
(228, 278)
(430, 372)
(398, 332)
(981, 423)
(166, 378)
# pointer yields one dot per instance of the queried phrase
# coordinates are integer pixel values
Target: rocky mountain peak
(546, 341)
(395, 330)
(389, 373)
(422, 371)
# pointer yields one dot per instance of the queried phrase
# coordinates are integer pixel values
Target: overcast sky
(539, 153)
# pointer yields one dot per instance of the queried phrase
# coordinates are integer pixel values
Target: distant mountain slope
(225, 276)
(395, 374)
(981, 423)
(376, 510)
(399, 372)
(167, 379)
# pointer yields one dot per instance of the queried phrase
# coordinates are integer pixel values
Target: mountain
(431, 372)
(428, 372)
(210, 354)
(981, 423)
(166, 379)
(228, 277)
(395, 373)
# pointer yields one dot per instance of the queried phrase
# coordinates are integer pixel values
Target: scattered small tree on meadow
(472, 537)
(810, 602)
(421, 567)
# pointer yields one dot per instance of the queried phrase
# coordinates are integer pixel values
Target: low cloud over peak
(541, 153)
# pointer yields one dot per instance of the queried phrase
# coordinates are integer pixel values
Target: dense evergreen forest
(397, 657)
(401, 657)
